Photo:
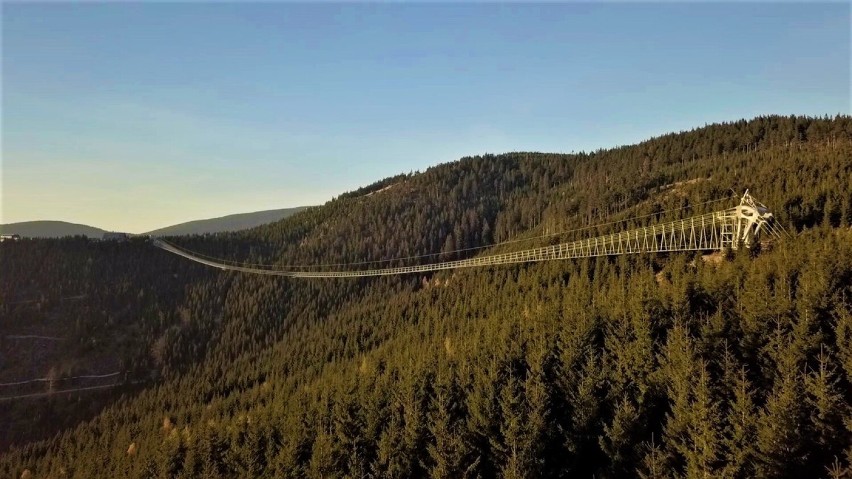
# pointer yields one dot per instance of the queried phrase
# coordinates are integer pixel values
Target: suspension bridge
(730, 228)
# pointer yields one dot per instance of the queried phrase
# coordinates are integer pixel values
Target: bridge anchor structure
(731, 228)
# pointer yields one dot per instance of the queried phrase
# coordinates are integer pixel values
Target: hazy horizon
(197, 220)
(132, 117)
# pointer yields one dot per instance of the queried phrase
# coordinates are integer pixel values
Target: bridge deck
(710, 231)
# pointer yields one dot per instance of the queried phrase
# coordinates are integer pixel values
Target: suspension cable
(273, 267)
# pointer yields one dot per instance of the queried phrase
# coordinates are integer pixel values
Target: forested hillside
(677, 365)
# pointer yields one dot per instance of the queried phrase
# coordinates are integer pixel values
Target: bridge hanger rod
(461, 250)
(711, 231)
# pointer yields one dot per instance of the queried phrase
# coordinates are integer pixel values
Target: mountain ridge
(606, 367)
(51, 229)
(219, 224)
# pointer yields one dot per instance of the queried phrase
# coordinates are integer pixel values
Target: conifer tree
(741, 430)
(826, 410)
(323, 462)
(448, 452)
(679, 368)
(512, 445)
(780, 444)
(654, 462)
(619, 436)
(482, 407)
(703, 430)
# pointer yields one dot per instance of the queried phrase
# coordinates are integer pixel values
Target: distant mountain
(550, 368)
(50, 229)
(227, 223)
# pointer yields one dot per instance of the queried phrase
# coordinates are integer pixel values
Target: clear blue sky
(135, 116)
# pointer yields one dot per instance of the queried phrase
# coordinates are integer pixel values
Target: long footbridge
(731, 228)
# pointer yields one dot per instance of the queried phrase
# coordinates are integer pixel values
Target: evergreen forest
(734, 364)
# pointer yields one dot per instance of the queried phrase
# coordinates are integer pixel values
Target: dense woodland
(678, 365)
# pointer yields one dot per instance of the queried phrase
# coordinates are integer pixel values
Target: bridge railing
(710, 231)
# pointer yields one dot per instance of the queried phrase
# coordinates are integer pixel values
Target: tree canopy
(677, 365)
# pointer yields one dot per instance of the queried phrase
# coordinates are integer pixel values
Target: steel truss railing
(711, 231)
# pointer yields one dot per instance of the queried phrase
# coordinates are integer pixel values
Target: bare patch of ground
(379, 191)
(715, 257)
(677, 189)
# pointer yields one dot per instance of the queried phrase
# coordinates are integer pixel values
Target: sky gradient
(132, 117)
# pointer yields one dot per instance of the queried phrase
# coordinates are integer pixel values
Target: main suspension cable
(274, 267)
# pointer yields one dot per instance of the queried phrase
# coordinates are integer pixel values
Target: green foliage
(658, 366)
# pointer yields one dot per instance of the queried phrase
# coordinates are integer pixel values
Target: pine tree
(512, 445)
(212, 451)
(584, 426)
(827, 408)
(348, 427)
(703, 430)
(654, 462)
(413, 396)
(678, 368)
(741, 431)
(447, 449)
(619, 436)
(255, 451)
(150, 470)
(391, 460)
(537, 407)
(780, 429)
(482, 412)
(324, 462)
(170, 455)
(843, 338)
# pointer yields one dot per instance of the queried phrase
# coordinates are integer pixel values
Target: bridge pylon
(719, 230)
(749, 219)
